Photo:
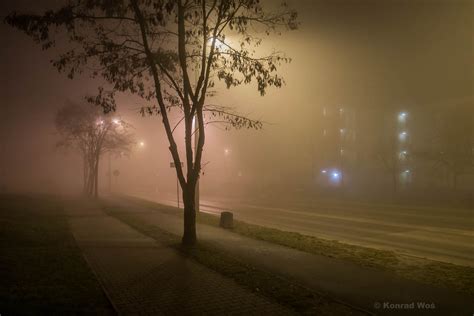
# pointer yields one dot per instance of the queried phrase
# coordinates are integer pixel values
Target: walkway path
(362, 287)
(143, 277)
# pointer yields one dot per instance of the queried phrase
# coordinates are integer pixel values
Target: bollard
(227, 220)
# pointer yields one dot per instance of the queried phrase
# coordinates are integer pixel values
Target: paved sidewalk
(143, 277)
(359, 286)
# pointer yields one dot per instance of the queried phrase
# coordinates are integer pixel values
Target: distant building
(335, 145)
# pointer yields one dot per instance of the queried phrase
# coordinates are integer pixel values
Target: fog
(371, 59)
(356, 196)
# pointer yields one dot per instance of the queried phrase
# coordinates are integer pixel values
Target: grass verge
(283, 291)
(41, 268)
(442, 274)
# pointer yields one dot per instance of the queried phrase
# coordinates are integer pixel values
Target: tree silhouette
(452, 141)
(86, 129)
(153, 48)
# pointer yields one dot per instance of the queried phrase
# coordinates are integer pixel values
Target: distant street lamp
(402, 117)
(197, 199)
(403, 136)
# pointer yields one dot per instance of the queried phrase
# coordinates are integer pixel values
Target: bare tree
(391, 147)
(86, 129)
(386, 152)
(452, 141)
(153, 48)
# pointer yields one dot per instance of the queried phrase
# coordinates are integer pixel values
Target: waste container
(227, 220)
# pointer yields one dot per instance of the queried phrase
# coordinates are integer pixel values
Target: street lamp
(402, 116)
(219, 44)
(195, 128)
(403, 136)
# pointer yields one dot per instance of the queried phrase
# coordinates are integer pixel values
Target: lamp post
(115, 121)
(110, 172)
(196, 193)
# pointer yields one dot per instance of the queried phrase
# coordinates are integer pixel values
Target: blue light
(335, 175)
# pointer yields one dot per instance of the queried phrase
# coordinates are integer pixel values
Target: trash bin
(227, 220)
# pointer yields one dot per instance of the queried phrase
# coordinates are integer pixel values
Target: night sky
(363, 53)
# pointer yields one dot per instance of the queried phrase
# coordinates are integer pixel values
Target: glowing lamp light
(219, 44)
(402, 116)
(226, 151)
(407, 171)
(141, 144)
(323, 171)
(116, 121)
(403, 136)
(336, 175)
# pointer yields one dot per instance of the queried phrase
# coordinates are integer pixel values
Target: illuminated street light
(219, 44)
(324, 171)
(403, 136)
(226, 151)
(403, 154)
(141, 144)
(116, 121)
(402, 117)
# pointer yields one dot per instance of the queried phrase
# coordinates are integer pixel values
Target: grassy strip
(459, 278)
(298, 298)
(42, 269)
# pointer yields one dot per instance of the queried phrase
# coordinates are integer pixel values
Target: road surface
(439, 234)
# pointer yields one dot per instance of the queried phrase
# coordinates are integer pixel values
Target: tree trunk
(96, 177)
(85, 176)
(189, 235)
(90, 180)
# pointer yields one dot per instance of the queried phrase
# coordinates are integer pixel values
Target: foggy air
(227, 157)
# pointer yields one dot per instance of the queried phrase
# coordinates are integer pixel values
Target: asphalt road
(436, 233)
